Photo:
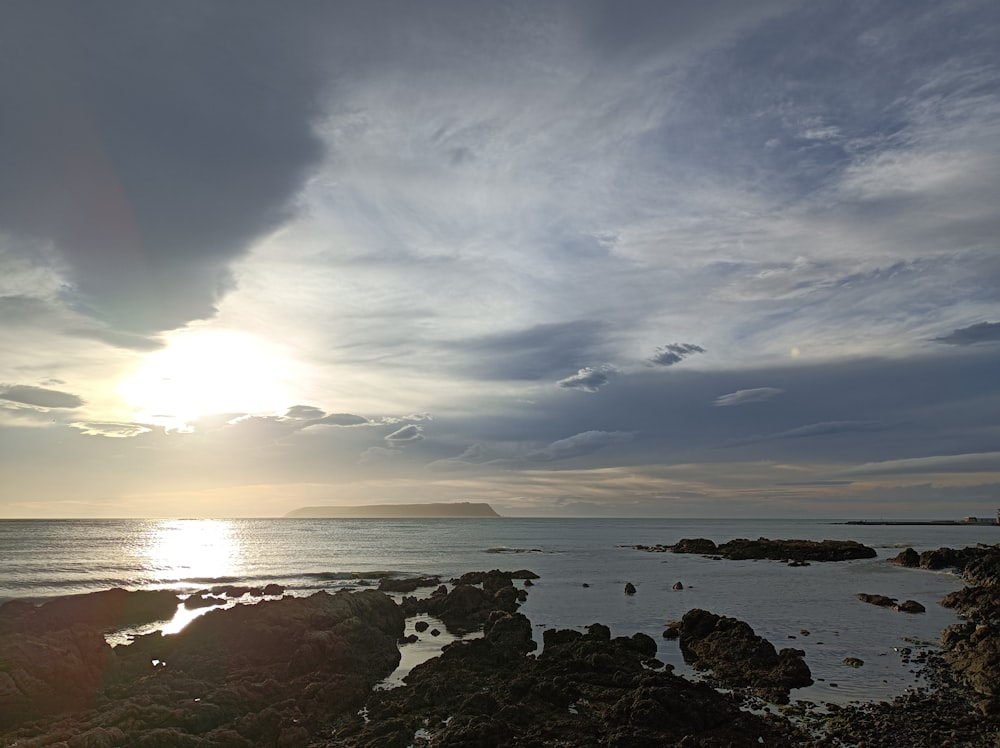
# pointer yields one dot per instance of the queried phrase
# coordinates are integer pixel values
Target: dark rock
(880, 600)
(270, 674)
(388, 584)
(703, 546)
(677, 586)
(202, 601)
(467, 606)
(793, 552)
(584, 689)
(50, 671)
(853, 662)
(908, 558)
(629, 588)
(911, 606)
(273, 590)
(421, 626)
(523, 574)
(739, 658)
(107, 610)
(973, 648)
(231, 590)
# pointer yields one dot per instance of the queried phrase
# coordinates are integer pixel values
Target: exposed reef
(764, 548)
(301, 673)
(584, 689)
(273, 673)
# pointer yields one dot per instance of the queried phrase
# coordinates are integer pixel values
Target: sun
(202, 373)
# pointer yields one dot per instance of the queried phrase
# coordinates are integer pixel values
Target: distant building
(982, 520)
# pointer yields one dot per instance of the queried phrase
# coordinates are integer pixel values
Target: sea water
(583, 565)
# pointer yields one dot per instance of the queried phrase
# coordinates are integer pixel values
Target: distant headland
(461, 509)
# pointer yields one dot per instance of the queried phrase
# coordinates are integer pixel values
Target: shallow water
(41, 559)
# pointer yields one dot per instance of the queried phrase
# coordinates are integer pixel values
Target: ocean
(40, 559)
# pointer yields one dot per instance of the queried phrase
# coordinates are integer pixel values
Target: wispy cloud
(742, 397)
(40, 397)
(674, 353)
(588, 379)
(579, 444)
(983, 332)
(409, 433)
(982, 462)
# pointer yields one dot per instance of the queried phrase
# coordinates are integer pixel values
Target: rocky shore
(302, 672)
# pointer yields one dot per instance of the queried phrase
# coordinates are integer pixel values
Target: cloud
(981, 462)
(343, 419)
(673, 353)
(410, 433)
(117, 338)
(378, 454)
(983, 332)
(39, 396)
(150, 172)
(533, 353)
(579, 444)
(473, 457)
(316, 417)
(304, 413)
(825, 428)
(112, 430)
(588, 379)
(742, 397)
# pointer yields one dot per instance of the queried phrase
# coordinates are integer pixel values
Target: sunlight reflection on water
(207, 549)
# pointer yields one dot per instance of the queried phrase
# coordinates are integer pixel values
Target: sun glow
(204, 373)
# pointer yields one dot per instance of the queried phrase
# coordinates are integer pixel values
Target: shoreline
(492, 648)
(947, 522)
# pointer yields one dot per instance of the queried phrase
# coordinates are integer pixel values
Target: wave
(211, 580)
(508, 549)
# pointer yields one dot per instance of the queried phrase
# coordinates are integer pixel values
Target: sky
(674, 258)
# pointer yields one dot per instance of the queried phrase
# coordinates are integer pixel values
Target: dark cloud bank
(151, 143)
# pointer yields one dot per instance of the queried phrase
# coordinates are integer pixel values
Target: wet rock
(467, 606)
(196, 601)
(908, 558)
(629, 588)
(795, 550)
(911, 606)
(853, 662)
(50, 671)
(737, 657)
(583, 689)
(388, 584)
(880, 600)
(421, 626)
(252, 673)
(704, 546)
(273, 590)
(106, 610)
(677, 586)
